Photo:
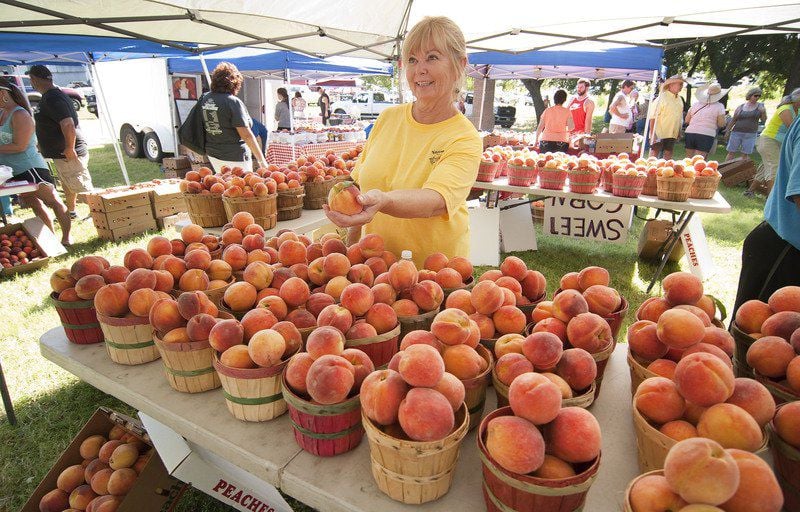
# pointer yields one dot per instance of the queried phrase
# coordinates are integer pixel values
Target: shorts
(742, 142)
(36, 175)
(699, 142)
(74, 174)
(666, 144)
(553, 146)
(770, 151)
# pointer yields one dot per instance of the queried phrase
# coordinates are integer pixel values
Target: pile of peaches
(17, 249)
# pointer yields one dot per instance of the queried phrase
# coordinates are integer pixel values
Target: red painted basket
(487, 170)
(786, 459)
(380, 348)
(79, 320)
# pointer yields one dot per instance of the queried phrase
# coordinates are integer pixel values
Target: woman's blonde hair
(442, 33)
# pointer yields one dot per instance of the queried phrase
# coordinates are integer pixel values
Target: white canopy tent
(373, 28)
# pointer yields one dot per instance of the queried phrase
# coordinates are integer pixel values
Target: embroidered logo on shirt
(436, 155)
(211, 117)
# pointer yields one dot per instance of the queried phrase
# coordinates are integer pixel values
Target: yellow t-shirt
(775, 122)
(667, 110)
(403, 154)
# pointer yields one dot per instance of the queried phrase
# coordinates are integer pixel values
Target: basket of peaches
(628, 181)
(674, 183)
(707, 179)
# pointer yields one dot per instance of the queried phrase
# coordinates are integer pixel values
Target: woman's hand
(372, 201)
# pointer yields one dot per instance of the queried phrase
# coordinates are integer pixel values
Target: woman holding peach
(421, 158)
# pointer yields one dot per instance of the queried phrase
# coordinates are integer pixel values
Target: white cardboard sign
(516, 229)
(484, 244)
(593, 220)
(698, 256)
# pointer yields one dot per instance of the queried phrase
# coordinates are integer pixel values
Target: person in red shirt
(582, 108)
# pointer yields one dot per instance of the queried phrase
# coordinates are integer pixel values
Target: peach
(266, 347)
(509, 283)
(731, 426)
(360, 273)
(81, 496)
(563, 386)
(61, 279)
(758, 488)
(682, 288)
(486, 297)
(569, 304)
(193, 279)
(140, 278)
(422, 365)
(291, 252)
(361, 363)
(435, 262)
(460, 299)
(241, 220)
(652, 309)
(678, 430)
(69, 295)
(90, 447)
(509, 320)
(704, 379)
(463, 361)
(123, 456)
(371, 245)
(141, 300)
(232, 236)
(111, 300)
(235, 256)
(663, 368)
(54, 501)
(652, 493)
(357, 298)
(99, 481)
(121, 481)
(448, 278)
(591, 276)
(485, 325)
(509, 298)
(336, 316)
(336, 286)
(178, 247)
(108, 449)
(793, 375)
(569, 281)
(535, 398)
(553, 326)
(176, 335)
(384, 293)
(240, 296)
(378, 267)
(93, 468)
(86, 266)
(113, 274)
(194, 303)
(452, 389)
(259, 274)
(361, 330)
(164, 315)
(543, 350)
(192, 233)
(88, 286)
(428, 295)
(707, 304)
(405, 308)
(421, 337)
(770, 356)
(315, 304)
(452, 326)
(709, 349)
(257, 320)
(164, 281)
(343, 198)
(644, 342)
(573, 436)
(782, 324)
(425, 414)
(785, 299)
(381, 394)
(403, 275)
(462, 266)
(330, 379)
(135, 258)
(253, 242)
(507, 344)
(751, 315)
(335, 265)
(720, 338)
(225, 334)
(786, 420)
(554, 468)
(70, 478)
(504, 436)
(333, 245)
(325, 341)
(197, 259)
(577, 367)
(354, 255)
(679, 329)
(602, 300)
(533, 285)
(291, 336)
(199, 327)
(301, 318)
(174, 266)
(297, 371)
(514, 267)
(658, 400)
(589, 332)
(382, 317)
(701, 471)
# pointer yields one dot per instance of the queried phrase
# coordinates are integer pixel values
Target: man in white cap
(704, 120)
(666, 117)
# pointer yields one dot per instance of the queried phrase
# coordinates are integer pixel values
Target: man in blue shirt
(771, 252)
(260, 131)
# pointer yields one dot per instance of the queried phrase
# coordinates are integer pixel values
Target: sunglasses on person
(756, 95)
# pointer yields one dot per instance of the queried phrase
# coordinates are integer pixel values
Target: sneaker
(73, 215)
(749, 193)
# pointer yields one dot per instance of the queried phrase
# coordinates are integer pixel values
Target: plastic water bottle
(406, 255)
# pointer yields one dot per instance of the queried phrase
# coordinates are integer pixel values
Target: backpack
(192, 132)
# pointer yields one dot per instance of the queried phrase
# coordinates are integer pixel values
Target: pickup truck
(364, 105)
(24, 83)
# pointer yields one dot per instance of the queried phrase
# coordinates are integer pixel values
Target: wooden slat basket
(79, 320)
(263, 209)
(128, 340)
(188, 367)
(206, 210)
(380, 348)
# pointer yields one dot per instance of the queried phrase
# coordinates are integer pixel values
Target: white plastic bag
(5, 173)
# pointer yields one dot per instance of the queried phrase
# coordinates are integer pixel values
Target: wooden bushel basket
(324, 430)
(786, 460)
(290, 203)
(521, 176)
(704, 187)
(422, 321)
(206, 210)
(673, 189)
(650, 187)
(263, 209)
(188, 367)
(627, 186)
(504, 491)
(316, 194)
(487, 170)
(583, 182)
(552, 179)
(475, 388)
(128, 340)
(528, 308)
(616, 318)
(79, 320)
(638, 371)
(214, 295)
(584, 400)
(380, 348)
(743, 342)
(414, 472)
(252, 394)
(626, 506)
(780, 391)
(601, 358)
(469, 285)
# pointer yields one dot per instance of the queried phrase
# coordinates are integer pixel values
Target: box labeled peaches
(110, 465)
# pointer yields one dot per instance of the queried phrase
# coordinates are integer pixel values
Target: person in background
(704, 119)
(634, 106)
(298, 105)
(771, 252)
(555, 125)
(60, 137)
(640, 120)
(421, 158)
(582, 108)
(769, 142)
(229, 140)
(546, 101)
(18, 151)
(665, 116)
(324, 106)
(260, 132)
(282, 115)
(620, 111)
(742, 129)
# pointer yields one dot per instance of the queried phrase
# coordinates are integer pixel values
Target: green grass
(52, 405)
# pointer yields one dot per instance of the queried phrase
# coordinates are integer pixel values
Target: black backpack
(192, 132)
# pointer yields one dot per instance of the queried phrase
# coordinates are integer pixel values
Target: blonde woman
(421, 158)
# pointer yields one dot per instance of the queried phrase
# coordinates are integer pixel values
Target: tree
(534, 87)
(380, 81)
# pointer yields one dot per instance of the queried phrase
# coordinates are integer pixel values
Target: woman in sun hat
(666, 116)
(704, 119)
(742, 130)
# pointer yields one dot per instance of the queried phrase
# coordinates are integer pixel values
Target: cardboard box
(651, 241)
(166, 200)
(178, 162)
(175, 173)
(109, 201)
(127, 231)
(737, 171)
(154, 490)
(42, 238)
(607, 143)
(195, 158)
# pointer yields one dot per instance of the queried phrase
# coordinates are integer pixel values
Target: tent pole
(205, 70)
(483, 98)
(289, 99)
(645, 134)
(105, 117)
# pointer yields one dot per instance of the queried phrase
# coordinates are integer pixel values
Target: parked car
(84, 88)
(91, 103)
(505, 116)
(364, 105)
(24, 83)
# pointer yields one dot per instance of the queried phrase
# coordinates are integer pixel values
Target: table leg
(683, 221)
(7, 403)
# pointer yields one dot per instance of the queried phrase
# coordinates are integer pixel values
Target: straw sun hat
(710, 93)
(671, 80)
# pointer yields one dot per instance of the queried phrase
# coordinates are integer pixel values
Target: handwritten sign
(593, 220)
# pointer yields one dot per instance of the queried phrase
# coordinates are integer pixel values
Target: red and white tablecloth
(281, 153)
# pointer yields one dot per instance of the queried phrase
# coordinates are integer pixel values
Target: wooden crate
(113, 201)
(122, 218)
(167, 200)
(178, 162)
(737, 171)
(175, 173)
(124, 232)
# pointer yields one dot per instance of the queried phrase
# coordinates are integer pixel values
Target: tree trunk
(534, 88)
(611, 93)
(793, 73)
(698, 55)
